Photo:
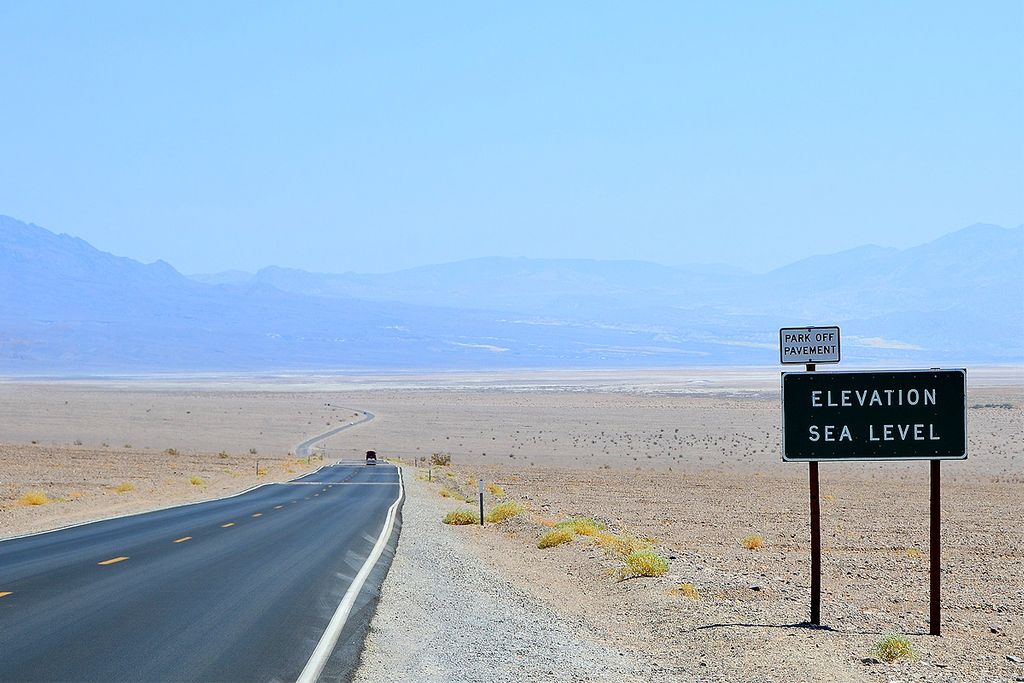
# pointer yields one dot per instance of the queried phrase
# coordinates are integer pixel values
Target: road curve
(304, 447)
(239, 588)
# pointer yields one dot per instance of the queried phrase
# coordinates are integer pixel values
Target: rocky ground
(690, 465)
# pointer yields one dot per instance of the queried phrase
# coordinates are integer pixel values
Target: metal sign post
(809, 346)
(935, 613)
(815, 538)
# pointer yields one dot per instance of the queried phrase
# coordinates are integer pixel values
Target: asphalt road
(236, 589)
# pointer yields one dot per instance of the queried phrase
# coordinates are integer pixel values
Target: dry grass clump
(197, 481)
(752, 542)
(34, 498)
(124, 487)
(622, 545)
(261, 471)
(893, 647)
(495, 490)
(643, 563)
(556, 537)
(505, 510)
(446, 492)
(461, 517)
(914, 553)
(584, 526)
(686, 590)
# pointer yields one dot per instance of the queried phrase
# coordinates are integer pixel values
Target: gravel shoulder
(445, 614)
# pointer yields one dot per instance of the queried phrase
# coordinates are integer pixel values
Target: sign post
(809, 346)
(812, 471)
(935, 557)
(883, 416)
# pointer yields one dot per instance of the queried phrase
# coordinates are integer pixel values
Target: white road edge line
(322, 653)
(325, 435)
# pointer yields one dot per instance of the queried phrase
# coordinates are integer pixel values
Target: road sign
(803, 345)
(891, 415)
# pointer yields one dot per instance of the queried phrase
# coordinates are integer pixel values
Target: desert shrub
(252, 451)
(752, 542)
(197, 481)
(441, 459)
(643, 563)
(78, 442)
(623, 545)
(556, 537)
(170, 451)
(461, 517)
(914, 553)
(893, 647)
(447, 493)
(503, 511)
(584, 526)
(34, 498)
(686, 590)
(471, 482)
(124, 487)
(222, 455)
(261, 471)
(495, 490)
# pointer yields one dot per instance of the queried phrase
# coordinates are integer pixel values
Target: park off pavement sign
(809, 345)
(892, 415)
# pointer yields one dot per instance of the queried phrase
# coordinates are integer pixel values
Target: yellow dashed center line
(113, 560)
(4, 594)
(278, 507)
(258, 514)
(225, 526)
(183, 539)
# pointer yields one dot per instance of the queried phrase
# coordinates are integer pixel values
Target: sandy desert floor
(688, 460)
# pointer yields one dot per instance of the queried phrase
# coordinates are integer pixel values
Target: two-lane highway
(239, 588)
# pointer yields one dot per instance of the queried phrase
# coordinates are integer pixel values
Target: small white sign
(802, 345)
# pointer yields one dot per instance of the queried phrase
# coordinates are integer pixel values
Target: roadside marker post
(481, 482)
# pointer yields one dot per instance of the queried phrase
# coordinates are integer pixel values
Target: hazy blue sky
(374, 136)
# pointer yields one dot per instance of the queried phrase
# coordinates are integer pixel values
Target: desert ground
(687, 462)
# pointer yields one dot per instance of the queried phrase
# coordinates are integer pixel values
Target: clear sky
(373, 136)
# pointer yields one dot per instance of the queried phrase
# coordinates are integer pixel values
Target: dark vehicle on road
(371, 457)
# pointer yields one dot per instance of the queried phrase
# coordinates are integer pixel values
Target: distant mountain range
(68, 308)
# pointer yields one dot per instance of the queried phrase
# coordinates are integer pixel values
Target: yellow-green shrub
(34, 498)
(584, 526)
(556, 537)
(461, 517)
(643, 563)
(893, 647)
(505, 510)
(752, 542)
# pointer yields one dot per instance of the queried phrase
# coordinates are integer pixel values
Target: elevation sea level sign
(893, 415)
(801, 345)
